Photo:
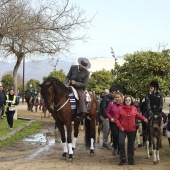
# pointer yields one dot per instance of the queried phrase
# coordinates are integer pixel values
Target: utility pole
(23, 80)
(113, 55)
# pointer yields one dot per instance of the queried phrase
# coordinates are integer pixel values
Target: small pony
(153, 135)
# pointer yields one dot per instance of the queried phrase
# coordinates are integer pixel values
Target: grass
(33, 128)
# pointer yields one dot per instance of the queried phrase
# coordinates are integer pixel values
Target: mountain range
(35, 70)
(38, 69)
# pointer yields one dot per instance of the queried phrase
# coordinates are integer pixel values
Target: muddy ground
(37, 154)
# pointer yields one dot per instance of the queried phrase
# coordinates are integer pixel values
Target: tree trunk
(15, 71)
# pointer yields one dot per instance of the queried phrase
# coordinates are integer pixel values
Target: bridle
(55, 109)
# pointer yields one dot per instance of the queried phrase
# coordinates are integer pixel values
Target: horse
(27, 99)
(153, 135)
(31, 102)
(57, 101)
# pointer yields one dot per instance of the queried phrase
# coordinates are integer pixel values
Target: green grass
(33, 128)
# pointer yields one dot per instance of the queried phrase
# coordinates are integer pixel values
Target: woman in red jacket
(126, 122)
(111, 112)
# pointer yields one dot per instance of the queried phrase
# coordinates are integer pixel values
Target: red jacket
(126, 118)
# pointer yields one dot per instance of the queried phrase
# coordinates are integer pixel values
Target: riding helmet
(154, 83)
(136, 104)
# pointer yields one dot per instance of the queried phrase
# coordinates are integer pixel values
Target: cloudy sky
(125, 25)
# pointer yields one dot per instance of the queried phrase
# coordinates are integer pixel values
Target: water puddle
(43, 138)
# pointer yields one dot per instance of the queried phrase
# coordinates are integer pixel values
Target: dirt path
(39, 155)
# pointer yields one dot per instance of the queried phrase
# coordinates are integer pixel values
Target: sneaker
(105, 146)
(122, 162)
(2, 117)
(11, 128)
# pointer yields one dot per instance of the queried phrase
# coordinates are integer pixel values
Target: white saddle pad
(88, 98)
(75, 93)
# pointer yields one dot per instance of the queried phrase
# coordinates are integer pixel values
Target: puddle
(44, 138)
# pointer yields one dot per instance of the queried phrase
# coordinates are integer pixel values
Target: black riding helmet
(136, 104)
(154, 84)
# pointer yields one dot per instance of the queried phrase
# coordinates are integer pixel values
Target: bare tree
(48, 29)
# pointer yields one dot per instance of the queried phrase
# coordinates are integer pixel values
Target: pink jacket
(126, 118)
(112, 109)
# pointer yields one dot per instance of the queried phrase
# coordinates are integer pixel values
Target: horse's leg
(147, 143)
(158, 146)
(76, 132)
(69, 140)
(63, 138)
(99, 130)
(154, 150)
(92, 134)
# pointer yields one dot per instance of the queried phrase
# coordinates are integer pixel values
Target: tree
(7, 81)
(100, 80)
(139, 69)
(56, 74)
(50, 28)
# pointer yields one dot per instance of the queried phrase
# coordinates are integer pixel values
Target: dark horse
(153, 135)
(31, 102)
(56, 98)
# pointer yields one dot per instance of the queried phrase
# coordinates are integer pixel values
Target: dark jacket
(154, 101)
(81, 77)
(104, 103)
(2, 98)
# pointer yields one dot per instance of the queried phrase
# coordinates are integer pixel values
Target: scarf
(127, 109)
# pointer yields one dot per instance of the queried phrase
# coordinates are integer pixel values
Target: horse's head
(47, 92)
(156, 118)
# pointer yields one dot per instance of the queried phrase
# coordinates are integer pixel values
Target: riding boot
(80, 116)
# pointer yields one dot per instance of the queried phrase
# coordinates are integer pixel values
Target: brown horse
(57, 101)
(153, 135)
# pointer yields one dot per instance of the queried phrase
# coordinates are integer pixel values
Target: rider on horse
(31, 91)
(154, 99)
(78, 77)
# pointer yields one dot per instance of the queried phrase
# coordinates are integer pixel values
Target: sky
(125, 25)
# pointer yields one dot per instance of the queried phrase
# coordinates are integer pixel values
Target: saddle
(74, 91)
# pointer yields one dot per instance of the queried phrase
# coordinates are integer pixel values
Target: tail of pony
(89, 133)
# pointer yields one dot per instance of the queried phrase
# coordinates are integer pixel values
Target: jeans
(10, 115)
(130, 145)
(105, 129)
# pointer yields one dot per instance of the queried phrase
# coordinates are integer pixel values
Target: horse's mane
(56, 82)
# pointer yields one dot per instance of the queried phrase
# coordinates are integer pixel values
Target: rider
(154, 99)
(31, 90)
(78, 77)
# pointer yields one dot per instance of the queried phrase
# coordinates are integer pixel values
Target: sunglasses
(127, 100)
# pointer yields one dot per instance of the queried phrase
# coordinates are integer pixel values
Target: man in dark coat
(2, 101)
(78, 77)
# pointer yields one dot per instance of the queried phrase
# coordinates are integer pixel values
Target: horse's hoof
(91, 152)
(70, 158)
(73, 149)
(64, 155)
(154, 162)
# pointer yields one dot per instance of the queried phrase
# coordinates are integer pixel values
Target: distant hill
(36, 70)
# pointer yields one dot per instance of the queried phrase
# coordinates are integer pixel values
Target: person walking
(2, 101)
(126, 122)
(78, 77)
(111, 112)
(103, 106)
(11, 101)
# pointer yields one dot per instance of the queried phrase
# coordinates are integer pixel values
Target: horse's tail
(90, 132)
